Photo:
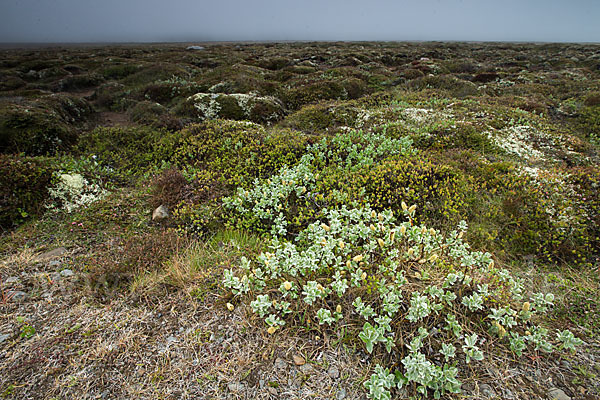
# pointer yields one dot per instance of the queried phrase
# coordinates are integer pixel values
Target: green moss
(42, 126)
(455, 87)
(24, 183)
(236, 106)
(322, 117)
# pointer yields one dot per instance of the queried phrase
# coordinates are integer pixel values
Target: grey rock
(51, 254)
(194, 48)
(341, 395)
(557, 394)
(487, 391)
(67, 273)
(171, 339)
(4, 337)
(12, 279)
(306, 368)
(54, 263)
(160, 213)
(333, 372)
(235, 387)
(280, 364)
(17, 296)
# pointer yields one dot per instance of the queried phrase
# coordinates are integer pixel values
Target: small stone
(171, 339)
(333, 372)
(298, 360)
(54, 263)
(160, 213)
(235, 387)
(557, 394)
(194, 48)
(51, 254)
(272, 390)
(4, 337)
(306, 369)
(12, 279)
(341, 395)
(280, 364)
(487, 391)
(17, 296)
(67, 273)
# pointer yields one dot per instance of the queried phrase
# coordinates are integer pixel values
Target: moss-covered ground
(97, 300)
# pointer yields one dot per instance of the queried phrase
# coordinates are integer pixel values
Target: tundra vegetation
(333, 220)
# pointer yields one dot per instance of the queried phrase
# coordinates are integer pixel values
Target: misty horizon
(153, 21)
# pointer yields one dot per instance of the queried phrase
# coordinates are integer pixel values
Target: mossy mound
(79, 82)
(42, 126)
(350, 88)
(238, 106)
(154, 115)
(24, 183)
(322, 117)
(455, 87)
(235, 152)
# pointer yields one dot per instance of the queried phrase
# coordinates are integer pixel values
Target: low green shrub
(396, 287)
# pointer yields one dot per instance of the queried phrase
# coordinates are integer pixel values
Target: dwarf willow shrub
(295, 194)
(402, 288)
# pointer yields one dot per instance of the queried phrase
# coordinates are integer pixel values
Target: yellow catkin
(381, 242)
(358, 258)
(338, 308)
(287, 285)
(404, 206)
(402, 230)
(271, 330)
(412, 208)
(230, 306)
(526, 306)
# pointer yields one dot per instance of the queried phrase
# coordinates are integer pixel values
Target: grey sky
(201, 20)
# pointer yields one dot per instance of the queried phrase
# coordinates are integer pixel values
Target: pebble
(17, 296)
(160, 213)
(12, 279)
(51, 254)
(54, 263)
(280, 364)
(171, 339)
(66, 273)
(557, 394)
(306, 369)
(487, 391)
(4, 337)
(235, 387)
(333, 372)
(341, 395)
(298, 360)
